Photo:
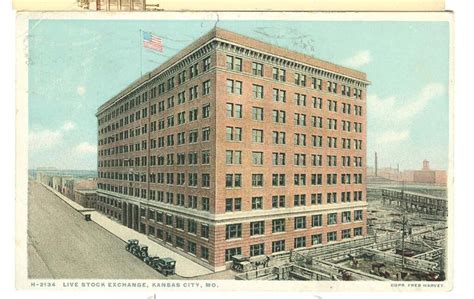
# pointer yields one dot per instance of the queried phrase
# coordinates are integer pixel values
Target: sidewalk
(184, 267)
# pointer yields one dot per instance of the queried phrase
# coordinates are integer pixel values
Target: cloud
(393, 111)
(45, 139)
(81, 90)
(392, 136)
(359, 59)
(86, 148)
(68, 126)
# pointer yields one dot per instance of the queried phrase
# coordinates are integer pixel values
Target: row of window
(235, 63)
(298, 242)
(300, 119)
(234, 157)
(299, 200)
(161, 124)
(235, 134)
(136, 100)
(234, 231)
(234, 180)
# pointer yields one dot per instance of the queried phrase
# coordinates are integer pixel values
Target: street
(61, 244)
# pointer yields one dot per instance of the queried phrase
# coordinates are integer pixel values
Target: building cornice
(219, 38)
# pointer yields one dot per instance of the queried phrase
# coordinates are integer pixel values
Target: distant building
(85, 193)
(428, 176)
(424, 176)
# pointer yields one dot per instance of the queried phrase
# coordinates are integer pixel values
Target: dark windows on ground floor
(229, 253)
(257, 249)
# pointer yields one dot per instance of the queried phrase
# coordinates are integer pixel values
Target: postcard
(211, 151)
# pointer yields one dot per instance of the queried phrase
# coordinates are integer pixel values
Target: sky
(76, 65)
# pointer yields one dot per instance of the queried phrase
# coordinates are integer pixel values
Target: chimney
(426, 165)
(376, 164)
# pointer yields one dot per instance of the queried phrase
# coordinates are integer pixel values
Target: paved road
(62, 245)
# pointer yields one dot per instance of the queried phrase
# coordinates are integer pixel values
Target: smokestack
(376, 166)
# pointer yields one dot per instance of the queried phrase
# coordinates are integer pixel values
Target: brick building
(85, 193)
(235, 146)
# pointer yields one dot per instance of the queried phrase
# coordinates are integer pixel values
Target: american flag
(152, 41)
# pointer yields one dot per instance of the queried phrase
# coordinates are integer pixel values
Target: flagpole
(141, 50)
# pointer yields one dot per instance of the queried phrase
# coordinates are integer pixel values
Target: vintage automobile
(140, 251)
(131, 244)
(241, 263)
(150, 260)
(165, 266)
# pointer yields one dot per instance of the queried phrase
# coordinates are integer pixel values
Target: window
(257, 158)
(257, 228)
(346, 233)
(332, 236)
(233, 204)
(300, 179)
(316, 239)
(300, 242)
(300, 79)
(299, 159)
(257, 203)
(206, 180)
(205, 158)
(233, 180)
(278, 201)
(357, 231)
(278, 225)
(234, 110)
(279, 137)
(193, 92)
(206, 87)
(316, 160)
(234, 63)
(257, 180)
(346, 217)
(193, 71)
(257, 91)
(257, 113)
(257, 69)
(206, 64)
(205, 204)
(332, 87)
(357, 215)
(317, 83)
(278, 179)
(278, 159)
(300, 222)
(332, 218)
(233, 231)
(257, 249)
(279, 95)
(234, 87)
(206, 133)
(331, 197)
(279, 74)
(257, 136)
(229, 253)
(278, 246)
(300, 99)
(300, 119)
(204, 253)
(316, 220)
(205, 231)
(316, 198)
(279, 116)
(233, 134)
(233, 157)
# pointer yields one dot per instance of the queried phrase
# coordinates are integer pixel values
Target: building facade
(235, 146)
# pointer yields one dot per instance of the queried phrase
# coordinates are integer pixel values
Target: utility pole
(404, 222)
